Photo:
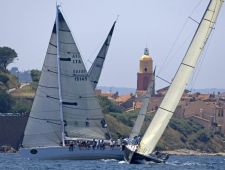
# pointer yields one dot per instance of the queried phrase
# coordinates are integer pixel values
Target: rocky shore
(187, 152)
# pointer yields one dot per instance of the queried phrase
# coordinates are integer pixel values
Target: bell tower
(145, 73)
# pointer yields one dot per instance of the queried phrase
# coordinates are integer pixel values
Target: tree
(6, 102)
(7, 55)
(35, 75)
(108, 106)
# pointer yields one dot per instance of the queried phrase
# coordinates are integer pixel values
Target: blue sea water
(15, 162)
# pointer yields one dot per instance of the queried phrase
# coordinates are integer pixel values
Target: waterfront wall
(12, 129)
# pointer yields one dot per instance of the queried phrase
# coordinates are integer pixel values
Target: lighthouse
(145, 74)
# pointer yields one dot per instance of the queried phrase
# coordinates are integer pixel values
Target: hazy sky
(26, 26)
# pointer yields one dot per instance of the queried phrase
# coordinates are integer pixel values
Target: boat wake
(188, 163)
(122, 162)
(108, 160)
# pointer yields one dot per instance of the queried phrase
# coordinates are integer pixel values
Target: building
(145, 74)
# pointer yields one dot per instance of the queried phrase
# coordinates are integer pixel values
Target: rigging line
(194, 79)
(163, 80)
(191, 35)
(209, 30)
(194, 20)
(176, 40)
(200, 63)
(165, 62)
(196, 6)
(197, 71)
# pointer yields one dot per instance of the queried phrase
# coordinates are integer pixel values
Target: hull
(66, 153)
(133, 157)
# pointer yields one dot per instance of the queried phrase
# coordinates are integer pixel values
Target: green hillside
(180, 134)
(8, 81)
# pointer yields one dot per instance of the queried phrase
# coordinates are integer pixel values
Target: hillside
(8, 81)
(180, 134)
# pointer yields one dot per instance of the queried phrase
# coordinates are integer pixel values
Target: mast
(184, 73)
(142, 113)
(59, 75)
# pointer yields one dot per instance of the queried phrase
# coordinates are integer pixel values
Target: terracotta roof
(122, 99)
(203, 96)
(107, 94)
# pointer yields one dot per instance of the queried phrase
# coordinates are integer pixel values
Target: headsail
(172, 97)
(142, 113)
(44, 125)
(81, 111)
(96, 68)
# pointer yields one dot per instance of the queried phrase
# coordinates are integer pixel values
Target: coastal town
(206, 109)
(62, 111)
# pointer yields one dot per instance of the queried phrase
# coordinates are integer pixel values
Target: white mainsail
(96, 68)
(184, 73)
(142, 113)
(44, 123)
(81, 111)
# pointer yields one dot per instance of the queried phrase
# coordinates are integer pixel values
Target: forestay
(96, 68)
(81, 111)
(171, 99)
(44, 125)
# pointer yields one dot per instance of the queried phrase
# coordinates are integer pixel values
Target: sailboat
(66, 121)
(143, 153)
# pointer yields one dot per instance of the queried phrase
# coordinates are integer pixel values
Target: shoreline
(186, 152)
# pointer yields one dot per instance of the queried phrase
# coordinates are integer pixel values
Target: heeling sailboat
(65, 107)
(144, 152)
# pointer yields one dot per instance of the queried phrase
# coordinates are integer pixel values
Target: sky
(162, 26)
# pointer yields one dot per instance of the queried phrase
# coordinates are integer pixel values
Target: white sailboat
(144, 151)
(65, 108)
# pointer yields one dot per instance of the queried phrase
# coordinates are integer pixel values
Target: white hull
(63, 153)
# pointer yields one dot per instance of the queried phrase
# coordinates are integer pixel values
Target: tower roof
(146, 55)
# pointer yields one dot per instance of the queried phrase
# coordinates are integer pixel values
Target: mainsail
(142, 113)
(184, 73)
(81, 112)
(96, 68)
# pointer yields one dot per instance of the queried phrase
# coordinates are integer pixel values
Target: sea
(15, 162)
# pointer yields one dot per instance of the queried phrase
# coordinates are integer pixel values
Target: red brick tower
(145, 73)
